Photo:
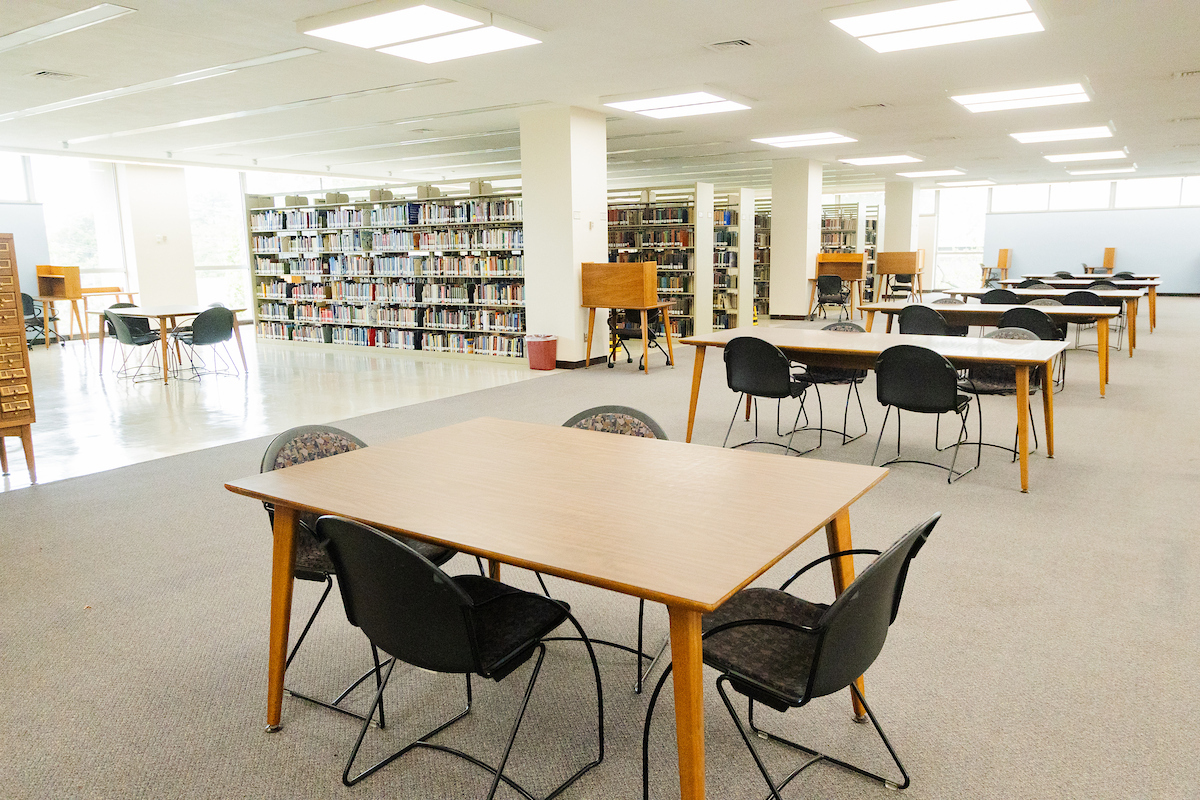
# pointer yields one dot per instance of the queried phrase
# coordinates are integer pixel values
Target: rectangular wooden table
(987, 314)
(166, 316)
(721, 519)
(1129, 297)
(1147, 282)
(859, 351)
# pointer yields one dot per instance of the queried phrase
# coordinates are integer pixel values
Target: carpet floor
(1045, 648)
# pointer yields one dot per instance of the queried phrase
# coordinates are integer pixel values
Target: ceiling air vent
(732, 44)
(1185, 119)
(1191, 73)
(51, 75)
(873, 107)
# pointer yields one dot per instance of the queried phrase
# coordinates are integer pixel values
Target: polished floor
(89, 422)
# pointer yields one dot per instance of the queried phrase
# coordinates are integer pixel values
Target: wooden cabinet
(16, 388)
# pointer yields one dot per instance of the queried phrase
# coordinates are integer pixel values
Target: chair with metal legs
(917, 379)
(1004, 297)
(211, 328)
(1001, 380)
(1039, 323)
(777, 649)
(818, 376)
(832, 291)
(755, 368)
(298, 446)
(923, 321)
(132, 338)
(466, 625)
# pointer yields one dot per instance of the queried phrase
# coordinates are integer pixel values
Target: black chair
(1001, 380)
(35, 321)
(954, 330)
(625, 421)
(626, 325)
(923, 321)
(1086, 297)
(211, 328)
(416, 613)
(1028, 282)
(1039, 285)
(298, 446)
(1062, 273)
(819, 376)
(782, 651)
(831, 290)
(1000, 297)
(1042, 326)
(917, 379)
(755, 368)
(132, 337)
(897, 286)
(1123, 276)
(1104, 286)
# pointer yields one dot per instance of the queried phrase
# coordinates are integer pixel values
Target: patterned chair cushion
(312, 446)
(999, 379)
(616, 423)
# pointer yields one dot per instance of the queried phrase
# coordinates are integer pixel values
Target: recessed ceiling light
(57, 27)
(872, 161)
(1108, 171)
(1024, 98)
(967, 183)
(687, 104)
(460, 45)
(1107, 155)
(404, 25)
(933, 173)
(805, 139)
(941, 23)
(1066, 135)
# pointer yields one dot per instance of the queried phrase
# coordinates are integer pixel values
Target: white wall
(1162, 240)
(158, 234)
(795, 232)
(899, 234)
(27, 223)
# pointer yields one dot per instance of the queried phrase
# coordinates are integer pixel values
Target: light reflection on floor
(87, 422)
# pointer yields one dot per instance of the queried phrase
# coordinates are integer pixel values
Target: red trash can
(542, 349)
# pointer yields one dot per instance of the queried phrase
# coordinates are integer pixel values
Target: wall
(27, 223)
(158, 234)
(1161, 240)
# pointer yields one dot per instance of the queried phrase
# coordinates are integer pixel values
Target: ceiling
(357, 113)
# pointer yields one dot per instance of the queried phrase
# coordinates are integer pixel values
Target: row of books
(492, 344)
(279, 290)
(360, 266)
(665, 259)
(728, 216)
(650, 215)
(726, 237)
(501, 293)
(668, 237)
(419, 213)
(725, 259)
(835, 239)
(675, 283)
(474, 320)
(468, 239)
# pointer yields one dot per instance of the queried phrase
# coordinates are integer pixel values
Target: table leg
(687, 659)
(666, 318)
(1153, 308)
(162, 340)
(812, 295)
(1023, 424)
(889, 323)
(1048, 405)
(587, 356)
(102, 326)
(493, 569)
(749, 400)
(3, 454)
(697, 370)
(1102, 338)
(870, 320)
(283, 560)
(645, 342)
(79, 318)
(837, 536)
(49, 315)
(27, 445)
(178, 352)
(1131, 309)
(237, 337)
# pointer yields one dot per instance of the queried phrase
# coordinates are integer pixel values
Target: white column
(900, 223)
(745, 239)
(158, 234)
(564, 190)
(795, 233)
(703, 258)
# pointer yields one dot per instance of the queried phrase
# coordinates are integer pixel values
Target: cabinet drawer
(7, 282)
(11, 344)
(8, 301)
(9, 318)
(12, 360)
(14, 390)
(16, 405)
(18, 373)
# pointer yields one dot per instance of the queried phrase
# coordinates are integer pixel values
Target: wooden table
(718, 524)
(859, 351)
(664, 307)
(1129, 297)
(1150, 283)
(50, 317)
(166, 316)
(989, 314)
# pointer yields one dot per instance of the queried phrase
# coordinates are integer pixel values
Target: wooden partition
(850, 267)
(620, 285)
(1003, 259)
(899, 262)
(61, 283)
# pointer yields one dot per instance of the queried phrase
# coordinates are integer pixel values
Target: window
(1022, 197)
(82, 217)
(218, 235)
(1191, 191)
(12, 179)
(1079, 195)
(961, 217)
(1149, 192)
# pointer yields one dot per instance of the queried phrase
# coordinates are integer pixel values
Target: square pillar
(795, 233)
(158, 234)
(900, 224)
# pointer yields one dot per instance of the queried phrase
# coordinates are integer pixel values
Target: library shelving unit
(852, 228)
(677, 235)
(442, 275)
(725, 268)
(762, 263)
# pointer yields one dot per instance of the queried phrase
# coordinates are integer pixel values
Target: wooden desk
(61, 283)
(1150, 283)
(981, 314)
(859, 351)
(704, 545)
(850, 267)
(166, 316)
(664, 307)
(1129, 297)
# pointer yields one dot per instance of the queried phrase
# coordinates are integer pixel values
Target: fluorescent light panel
(872, 161)
(1023, 98)
(941, 23)
(393, 27)
(1109, 171)
(57, 27)
(687, 104)
(696, 110)
(805, 139)
(967, 183)
(1107, 155)
(933, 173)
(1066, 135)
(460, 45)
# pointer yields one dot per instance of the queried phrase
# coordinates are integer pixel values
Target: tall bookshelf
(733, 233)
(677, 235)
(762, 264)
(852, 228)
(442, 275)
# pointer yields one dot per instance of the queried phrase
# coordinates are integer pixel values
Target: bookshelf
(440, 274)
(852, 228)
(762, 264)
(677, 235)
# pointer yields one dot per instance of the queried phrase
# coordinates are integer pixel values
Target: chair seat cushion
(140, 339)
(509, 622)
(767, 663)
(834, 375)
(614, 422)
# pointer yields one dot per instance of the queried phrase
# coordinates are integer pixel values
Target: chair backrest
(845, 327)
(1123, 276)
(119, 328)
(1032, 320)
(1062, 273)
(1000, 297)
(1044, 301)
(829, 285)
(136, 325)
(916, 379)
(27, 306)
(949, 301)
(1102, 285)
(1082, 297)
(401, 600)
(617, 419)
(923, 320)
(307, 443)
(902, 278)
(1025, 284)
(853, 629)
(757, 368)
(213, 326)
(1039, 285)
(1003, 373)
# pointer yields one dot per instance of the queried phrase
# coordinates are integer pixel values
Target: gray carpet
(1046, 646)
